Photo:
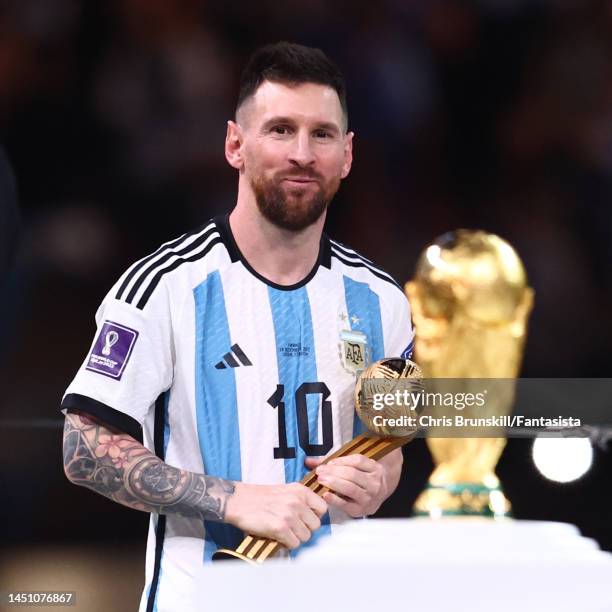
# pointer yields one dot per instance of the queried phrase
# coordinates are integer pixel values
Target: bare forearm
(120, 468)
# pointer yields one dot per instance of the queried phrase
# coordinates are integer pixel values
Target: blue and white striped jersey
(220, 371)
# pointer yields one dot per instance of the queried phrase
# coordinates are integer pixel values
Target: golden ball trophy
(470, 305)
(377, 442)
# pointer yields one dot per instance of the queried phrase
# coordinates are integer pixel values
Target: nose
(301, 152)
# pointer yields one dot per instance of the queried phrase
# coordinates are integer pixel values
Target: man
(232, 352)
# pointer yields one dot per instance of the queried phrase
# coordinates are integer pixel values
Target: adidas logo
(229, 361)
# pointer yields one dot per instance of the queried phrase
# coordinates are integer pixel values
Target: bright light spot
(434, 256)
(435, 512)
(562, 459)
(498, 502)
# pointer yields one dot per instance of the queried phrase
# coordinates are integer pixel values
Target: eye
(280, 130)
(322, 134)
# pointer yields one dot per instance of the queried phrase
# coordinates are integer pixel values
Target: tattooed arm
(120, 468)
(117, 466)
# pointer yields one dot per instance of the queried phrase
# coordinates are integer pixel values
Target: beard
(293, 208)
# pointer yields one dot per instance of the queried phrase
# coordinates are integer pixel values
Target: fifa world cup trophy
(470, 303)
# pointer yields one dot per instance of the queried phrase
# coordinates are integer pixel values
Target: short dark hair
(290, 63)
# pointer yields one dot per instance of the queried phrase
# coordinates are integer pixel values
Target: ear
(348, 154)
(233, 145)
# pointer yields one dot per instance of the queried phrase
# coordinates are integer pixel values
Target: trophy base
(462, 499)
(225, 554)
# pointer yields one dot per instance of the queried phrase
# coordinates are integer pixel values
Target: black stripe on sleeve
(360, 264)
(346, 252)
(145, 260)
(164, 247)
(76, 403)
(162, 260)
(175, 264)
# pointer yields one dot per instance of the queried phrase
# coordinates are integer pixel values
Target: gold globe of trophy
(396, 426)
(470, 304)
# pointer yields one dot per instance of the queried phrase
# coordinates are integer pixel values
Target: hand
(359, 484)
(286, 513)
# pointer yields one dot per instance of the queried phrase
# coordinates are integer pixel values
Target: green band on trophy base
(462, 499)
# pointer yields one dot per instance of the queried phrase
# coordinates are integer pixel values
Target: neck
(284, 257)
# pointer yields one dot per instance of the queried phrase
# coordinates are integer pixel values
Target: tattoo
(120, 468)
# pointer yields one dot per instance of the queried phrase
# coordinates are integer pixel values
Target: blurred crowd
(492, 114)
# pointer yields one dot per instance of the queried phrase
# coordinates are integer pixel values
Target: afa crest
(354, 350)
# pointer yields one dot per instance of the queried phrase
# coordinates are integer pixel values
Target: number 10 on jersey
(276, 400)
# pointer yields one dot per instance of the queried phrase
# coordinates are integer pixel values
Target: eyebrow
(320, 125)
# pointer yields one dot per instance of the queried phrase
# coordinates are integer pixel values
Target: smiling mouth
(300, 180)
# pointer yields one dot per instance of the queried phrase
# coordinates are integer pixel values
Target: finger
(301, 530)
(360, 462)
(352, 474)
(316, 503)
(350, 507)
(310, 519)
(287, 538)
(346, 488)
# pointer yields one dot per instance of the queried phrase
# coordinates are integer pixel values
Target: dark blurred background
(492, 114)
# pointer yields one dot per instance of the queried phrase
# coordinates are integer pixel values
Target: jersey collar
(324, 258)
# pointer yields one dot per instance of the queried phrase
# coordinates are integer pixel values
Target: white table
(420, 564)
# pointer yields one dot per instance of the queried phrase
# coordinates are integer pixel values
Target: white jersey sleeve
(130, 363)
(399, 333)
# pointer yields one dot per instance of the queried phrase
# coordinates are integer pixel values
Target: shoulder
(355, 266)
(169, 265)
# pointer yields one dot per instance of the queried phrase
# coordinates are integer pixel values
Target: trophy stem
(256, 550)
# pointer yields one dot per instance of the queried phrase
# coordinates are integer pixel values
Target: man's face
(294, 151)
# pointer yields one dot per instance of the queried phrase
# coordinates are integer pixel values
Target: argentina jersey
(220, 371)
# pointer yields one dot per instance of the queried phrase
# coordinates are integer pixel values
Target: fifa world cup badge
(354, 351)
